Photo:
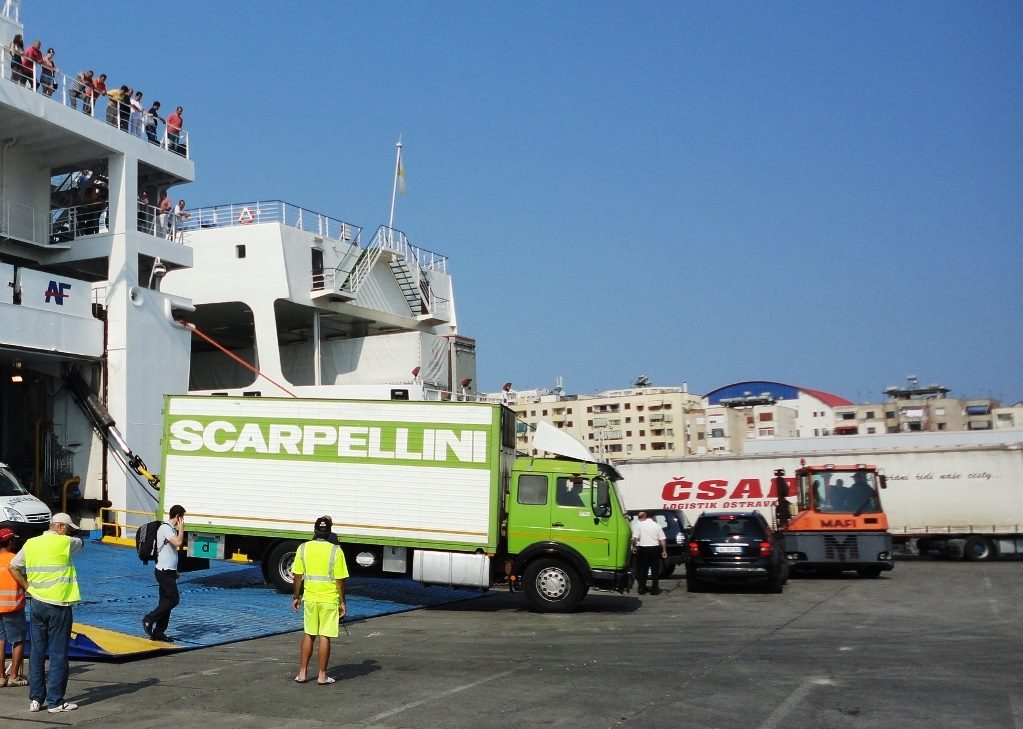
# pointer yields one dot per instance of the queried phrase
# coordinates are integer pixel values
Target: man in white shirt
(169, 538)
(649, 546)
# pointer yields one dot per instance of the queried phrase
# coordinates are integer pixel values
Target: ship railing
(22, 222)
(68, 223)
(69, 91)
(10, 10)
(275, 211)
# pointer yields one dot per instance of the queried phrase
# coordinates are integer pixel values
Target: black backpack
(145, 541)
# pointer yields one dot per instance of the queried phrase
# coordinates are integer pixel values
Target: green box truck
(430, 490)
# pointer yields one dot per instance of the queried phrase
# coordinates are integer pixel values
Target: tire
(667, 570)
(870, 572)
(979, 549)
(278, 567)
(695, 585)
(551, 586)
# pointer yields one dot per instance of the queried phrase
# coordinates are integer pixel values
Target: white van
(19, 509)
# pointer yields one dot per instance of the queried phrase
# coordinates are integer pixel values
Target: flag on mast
(401, 174)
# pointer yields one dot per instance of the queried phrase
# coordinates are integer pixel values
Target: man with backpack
(169, 538)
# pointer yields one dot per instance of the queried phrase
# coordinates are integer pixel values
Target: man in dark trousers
(169, 538)
(649, 545)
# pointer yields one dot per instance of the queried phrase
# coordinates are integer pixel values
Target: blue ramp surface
(224, 604)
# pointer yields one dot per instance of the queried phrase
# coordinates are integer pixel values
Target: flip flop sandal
(300, 680)
(327, 682)
(18, 681)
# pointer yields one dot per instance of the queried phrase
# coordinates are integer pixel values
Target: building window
(870, 415)
(699, 436)
(642, 433)
(766, 417)
(717, 432)
(871, 430)
(848, 416)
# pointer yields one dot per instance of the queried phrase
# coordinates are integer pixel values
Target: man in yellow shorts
(320, 569)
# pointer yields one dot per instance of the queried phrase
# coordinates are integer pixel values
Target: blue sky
(823, 194)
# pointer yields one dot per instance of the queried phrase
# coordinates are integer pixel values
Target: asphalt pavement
(931, 645)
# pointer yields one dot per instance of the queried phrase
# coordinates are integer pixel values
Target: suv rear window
(721, 528)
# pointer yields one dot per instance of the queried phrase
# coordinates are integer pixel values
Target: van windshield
(9, 484)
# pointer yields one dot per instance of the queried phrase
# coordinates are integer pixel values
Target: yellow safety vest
(320, 563)
(48, 569)
(12, 595)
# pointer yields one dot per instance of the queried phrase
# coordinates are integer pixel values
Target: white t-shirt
(167, 554)
(647, 532)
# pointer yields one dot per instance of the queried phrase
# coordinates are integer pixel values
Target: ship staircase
(402, 259)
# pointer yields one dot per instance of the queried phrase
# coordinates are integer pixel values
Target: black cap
(323, 524)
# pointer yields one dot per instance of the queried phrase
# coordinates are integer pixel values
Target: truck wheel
(552, 586)
(869, 572)
(278, 567)
(979, 549)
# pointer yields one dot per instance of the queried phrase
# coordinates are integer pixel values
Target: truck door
(574, 524)
(529, 518)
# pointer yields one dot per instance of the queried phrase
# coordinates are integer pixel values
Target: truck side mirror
(883, 480)
(601, 498)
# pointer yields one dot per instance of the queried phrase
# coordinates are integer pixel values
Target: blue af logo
(57, 291)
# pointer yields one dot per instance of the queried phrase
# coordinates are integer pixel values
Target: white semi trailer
(949, 494)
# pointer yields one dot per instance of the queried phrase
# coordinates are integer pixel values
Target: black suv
(676, 531)
(735, 547)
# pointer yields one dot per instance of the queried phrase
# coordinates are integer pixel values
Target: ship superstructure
(107, 304)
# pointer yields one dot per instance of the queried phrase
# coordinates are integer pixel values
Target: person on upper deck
(48, 73)
(82, 89)
(152, 117)
(32, 59)
(175, 122)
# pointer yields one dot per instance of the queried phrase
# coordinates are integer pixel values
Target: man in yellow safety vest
(44, 568)
(320, 569)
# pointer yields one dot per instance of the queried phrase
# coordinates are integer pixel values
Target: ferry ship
(107, 303)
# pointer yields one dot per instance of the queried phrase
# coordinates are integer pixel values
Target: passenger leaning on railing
(33, 57)
(48, 74)
(137, 110)
(20, 68)
(82, 89)
(174, 123)
(152, 117)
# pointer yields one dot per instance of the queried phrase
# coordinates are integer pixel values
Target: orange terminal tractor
(839, 523)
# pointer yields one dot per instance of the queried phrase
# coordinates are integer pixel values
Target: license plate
(728, 550)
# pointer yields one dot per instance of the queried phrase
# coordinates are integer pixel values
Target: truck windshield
(851, 491)
(9, 484)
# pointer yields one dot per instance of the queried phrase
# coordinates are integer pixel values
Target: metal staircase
(412, 280)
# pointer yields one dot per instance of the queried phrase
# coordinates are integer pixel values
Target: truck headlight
(13, 514)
